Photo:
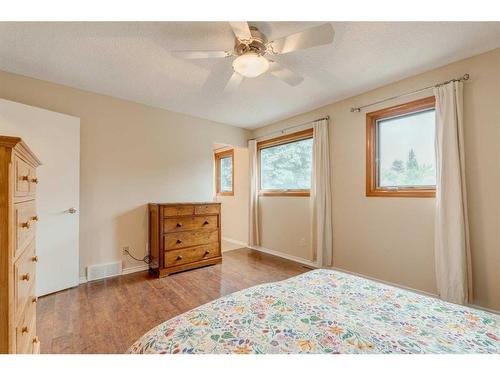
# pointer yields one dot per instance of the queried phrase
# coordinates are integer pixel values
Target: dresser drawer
(177, 211)
(24, 177)
(192, 254)
(25, 219)
(190, 223)
(191, 238)
(26, 331)
(204, 209)
(24, 279)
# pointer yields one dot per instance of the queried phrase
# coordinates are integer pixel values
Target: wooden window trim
(371, 138)
(218, 157)
(284, 139)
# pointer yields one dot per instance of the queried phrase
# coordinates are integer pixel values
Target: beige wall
(235, 207)
(392, 238)
(131, 154)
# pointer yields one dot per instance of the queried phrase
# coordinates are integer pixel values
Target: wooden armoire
(18, 218)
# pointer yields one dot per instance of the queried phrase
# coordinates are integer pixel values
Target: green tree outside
(409, 173)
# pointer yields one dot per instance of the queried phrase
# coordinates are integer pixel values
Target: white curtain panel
(321, 200)
(253, 231)
(451, 245)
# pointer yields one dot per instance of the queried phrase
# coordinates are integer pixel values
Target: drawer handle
(25, 225)
(34, 300)
(34, 180)
(25, 178)
(34, 258)
(179, 241)
(34, 218)
(25, 277)
(24, 329)
(36, 340)
(179, 225)
(207, 252)
(179, 257)
(206, 222)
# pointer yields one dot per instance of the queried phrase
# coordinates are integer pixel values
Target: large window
(401, 156)
(285, 164)
(224, 171)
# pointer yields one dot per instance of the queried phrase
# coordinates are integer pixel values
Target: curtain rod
(465, 77)
(282, 131)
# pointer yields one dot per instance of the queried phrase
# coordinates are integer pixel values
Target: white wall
(392, 238)
(131, 154)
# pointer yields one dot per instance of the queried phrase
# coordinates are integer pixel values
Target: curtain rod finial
(466, 77)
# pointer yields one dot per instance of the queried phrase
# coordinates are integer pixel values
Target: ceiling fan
(251, 48)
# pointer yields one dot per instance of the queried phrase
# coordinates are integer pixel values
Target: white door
(55, 139)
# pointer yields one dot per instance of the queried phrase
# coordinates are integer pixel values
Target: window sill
(225, 194)
(281, 193)
(402, 193)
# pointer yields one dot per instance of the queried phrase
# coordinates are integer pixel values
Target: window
(285, 164)
(224, 171)
(400, 150)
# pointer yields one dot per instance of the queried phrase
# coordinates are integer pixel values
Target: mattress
(325, 311)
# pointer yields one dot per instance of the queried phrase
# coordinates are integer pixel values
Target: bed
(325, 311)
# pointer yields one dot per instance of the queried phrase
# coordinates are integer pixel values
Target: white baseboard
(484, 309)
(125, 271)
(236, 242)
(285, 256)
(142, 267)
(418, 291)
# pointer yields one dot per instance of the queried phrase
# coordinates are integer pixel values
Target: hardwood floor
(107, 316)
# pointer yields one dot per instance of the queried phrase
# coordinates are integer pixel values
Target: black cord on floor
(146, 259)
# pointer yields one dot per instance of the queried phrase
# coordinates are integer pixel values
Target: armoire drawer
(26, 331)
(181, 224)
(24, 177)
(25, 219)
(24, 279)
(192, 254)
(191, 238)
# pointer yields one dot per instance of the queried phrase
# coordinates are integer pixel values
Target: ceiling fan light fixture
(250, 65)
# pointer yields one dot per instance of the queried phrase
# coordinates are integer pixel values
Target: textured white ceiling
(131, 60)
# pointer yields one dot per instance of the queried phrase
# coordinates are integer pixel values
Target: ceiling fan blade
(315, 36)
(241, 30)
(233, 82)
(285, 74)
(200, 54)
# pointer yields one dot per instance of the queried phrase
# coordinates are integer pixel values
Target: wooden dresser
(183, 236)
(18, 219)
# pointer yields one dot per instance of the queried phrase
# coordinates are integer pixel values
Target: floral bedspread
(325, 311)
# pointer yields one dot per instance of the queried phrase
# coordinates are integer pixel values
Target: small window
(224, 169)
(285, 164)
(400, 150)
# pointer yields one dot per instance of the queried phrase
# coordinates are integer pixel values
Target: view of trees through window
(286, 166)
(406, 151)
(226, 174)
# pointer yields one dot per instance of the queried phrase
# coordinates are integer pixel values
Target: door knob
(72, 210)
